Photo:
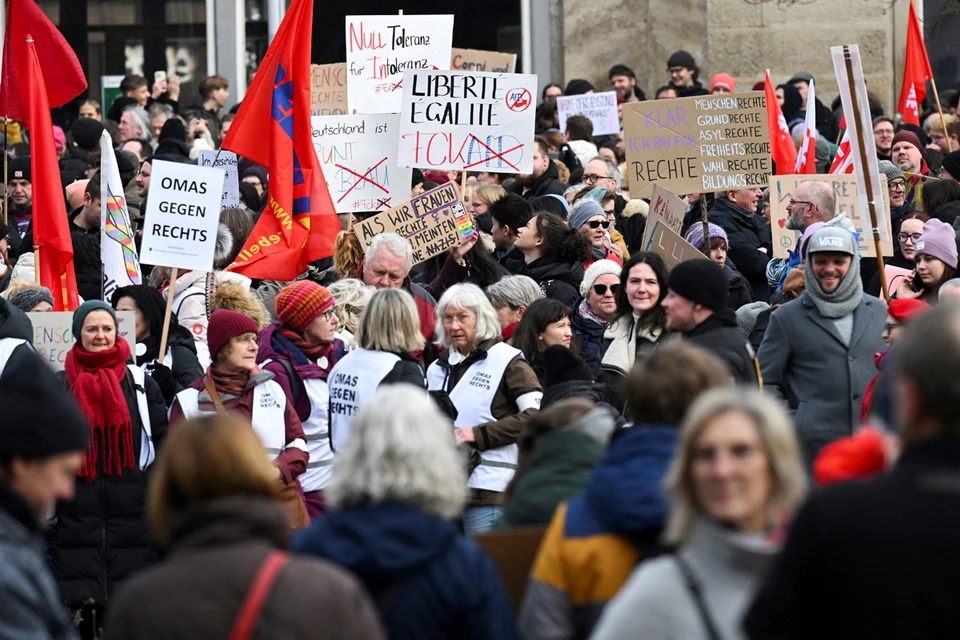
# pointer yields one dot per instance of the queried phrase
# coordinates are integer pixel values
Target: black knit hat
(951, 162)
(577, 87)
(19, 168)
(701, 282)
(562, 365)
(86, 133)
(681, 59)
(40, 418)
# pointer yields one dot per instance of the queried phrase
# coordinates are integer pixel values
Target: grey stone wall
(740, 37)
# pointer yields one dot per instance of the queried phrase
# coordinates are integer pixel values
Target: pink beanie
(939, 241)
(59, 138)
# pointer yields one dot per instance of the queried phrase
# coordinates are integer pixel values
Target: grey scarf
(598, 253)
(841, 302)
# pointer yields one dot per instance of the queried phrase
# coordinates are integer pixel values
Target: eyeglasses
(888, 328)
(328, 315)
(461, 319)
(903, 237)
(796, 202)
(898, 185)
(601, 289)
(590, 178)
(599, 223)
(883, 132)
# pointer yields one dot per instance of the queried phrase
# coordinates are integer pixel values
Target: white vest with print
(316, 431)
(473, 398)
(353, 381)
(148, 452)
(269, 404)
(7, 347)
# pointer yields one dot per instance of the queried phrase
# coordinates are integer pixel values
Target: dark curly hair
(560, 242)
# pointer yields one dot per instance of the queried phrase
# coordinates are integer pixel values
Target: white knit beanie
(594, 271)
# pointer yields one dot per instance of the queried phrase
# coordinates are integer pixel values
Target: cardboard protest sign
(668, 207)
(231, 181)
(433, 222)
(697, 145)
(463, 120)
(668, 244)
(53, 334)
(381, 48)
(913, 193)
(601, 108)
(488, 61)
(328, 89)
(848, 202)
(358, 155)
(183, 211)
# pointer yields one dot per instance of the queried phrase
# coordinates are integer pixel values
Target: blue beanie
(583, 212)
(84, 310)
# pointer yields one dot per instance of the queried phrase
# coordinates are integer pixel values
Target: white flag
(118, 252)
(807, 157)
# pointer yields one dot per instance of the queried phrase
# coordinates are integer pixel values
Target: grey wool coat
(804, 362)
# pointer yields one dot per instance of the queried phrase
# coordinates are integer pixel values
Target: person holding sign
(179, 366)
(553, 255)
(817, 352)
(101, 537)
(749, 236)
(300, 351)
(494, 390)
(235, 384)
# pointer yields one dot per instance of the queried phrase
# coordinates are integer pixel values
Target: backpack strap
(693, 586)
(246, 621)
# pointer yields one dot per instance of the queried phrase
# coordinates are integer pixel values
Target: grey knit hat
(891, 170)
(583, 212)
(29, 298)
(747, 317)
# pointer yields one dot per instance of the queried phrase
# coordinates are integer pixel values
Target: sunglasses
(601, 289)
(599, 223)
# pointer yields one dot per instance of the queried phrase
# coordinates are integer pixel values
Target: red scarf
(312, 351)
(94, 379)
(507, 332)
(229, 383)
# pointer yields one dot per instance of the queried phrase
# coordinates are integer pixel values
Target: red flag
(782, 149)
(843, 162)
(62, 74)
(916, 72)
(272, 128)
(53, 248)
(807, 158)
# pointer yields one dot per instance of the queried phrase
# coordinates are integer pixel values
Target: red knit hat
(299, 303)
(224, 326)
(905, 310)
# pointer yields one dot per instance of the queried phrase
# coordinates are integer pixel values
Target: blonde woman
(387, 334)
(734, 477)
(482, 198)
(351, 297)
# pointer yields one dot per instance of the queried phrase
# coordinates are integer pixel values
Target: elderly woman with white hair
(493, 389)
(735, 476)
(395, 491)
(511, 297)
(388, 334)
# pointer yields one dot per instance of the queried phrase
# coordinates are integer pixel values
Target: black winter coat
(557, 280)
(746, 232)
(546, 184)
(101, 537)
(871, 559)
(739, 292)
(719, 335)
(631, 227)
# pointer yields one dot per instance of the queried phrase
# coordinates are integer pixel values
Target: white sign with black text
(231, 183)
(183, 211)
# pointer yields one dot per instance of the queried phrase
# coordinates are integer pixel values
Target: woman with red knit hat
(101, 537)
(871, 450)
(235, 384)
(300, 351)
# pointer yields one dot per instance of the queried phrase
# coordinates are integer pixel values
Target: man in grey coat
(43, 438)
(818, 350)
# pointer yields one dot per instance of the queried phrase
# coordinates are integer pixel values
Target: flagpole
(943, 121)
(706, 225)
(6, 159)
(871, 204)
(169, 311)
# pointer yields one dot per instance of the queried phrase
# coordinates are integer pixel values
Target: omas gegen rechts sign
(183, 211)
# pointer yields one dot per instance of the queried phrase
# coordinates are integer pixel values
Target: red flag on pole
(272, 128)
(62, 75)
(782, 149)
(807, 158)
(916, 72)
(843, 162)
(53, 249)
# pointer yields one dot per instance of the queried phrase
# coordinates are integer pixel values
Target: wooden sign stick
(171, 292)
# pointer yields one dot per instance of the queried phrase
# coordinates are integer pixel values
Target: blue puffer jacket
(427, 579)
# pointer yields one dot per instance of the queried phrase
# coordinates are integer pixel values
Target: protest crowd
(548, 394)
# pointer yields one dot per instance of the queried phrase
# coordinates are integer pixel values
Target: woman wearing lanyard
(493, 389)
(235, 384)
(300, 351)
